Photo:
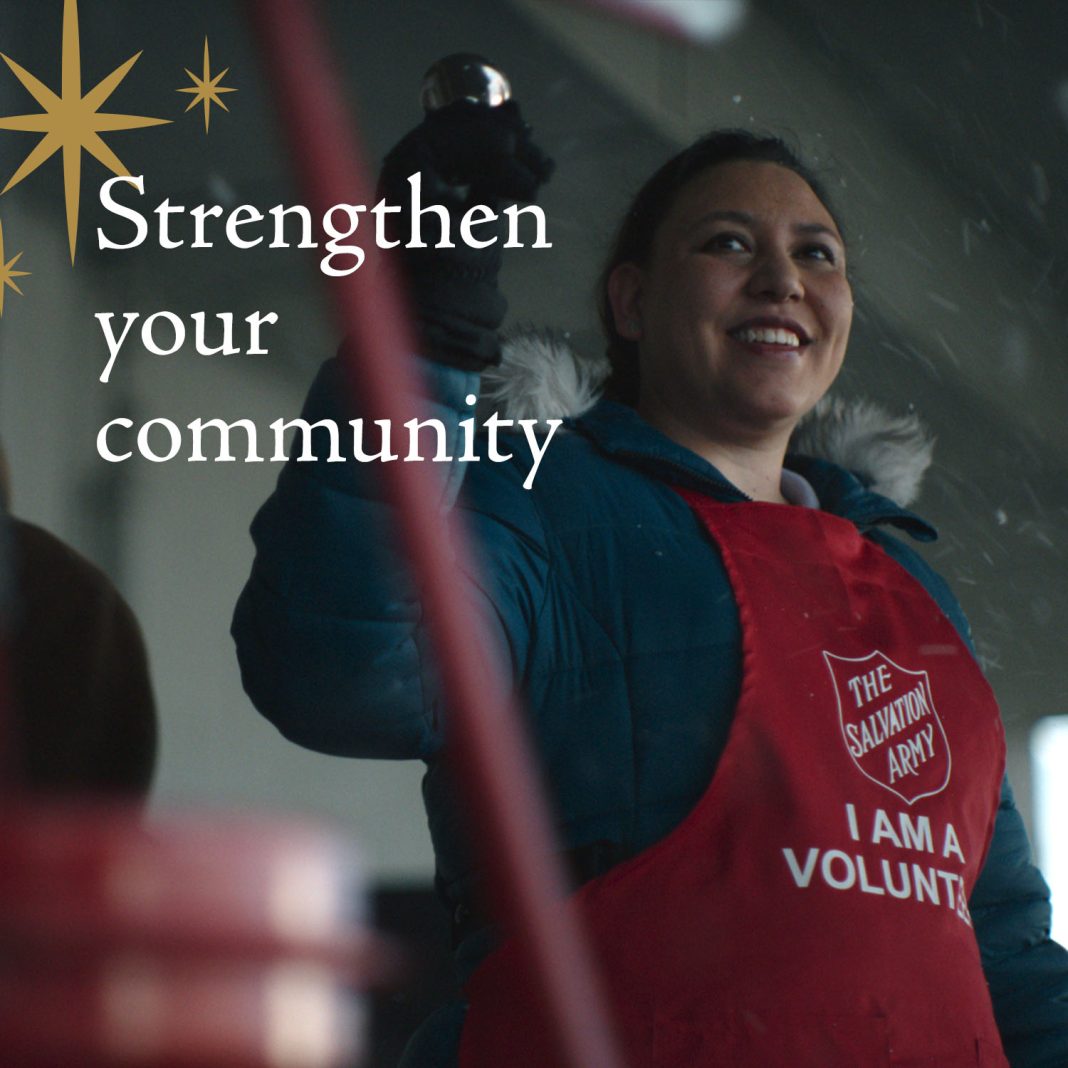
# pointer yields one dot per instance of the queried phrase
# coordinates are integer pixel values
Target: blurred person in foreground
(85, 723)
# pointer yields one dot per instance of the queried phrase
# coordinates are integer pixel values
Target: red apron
(812, 908)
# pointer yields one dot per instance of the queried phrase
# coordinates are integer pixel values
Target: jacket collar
(619, 431)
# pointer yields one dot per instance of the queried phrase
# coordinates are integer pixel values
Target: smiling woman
(726, 297)
(741, 317)
(705, 625)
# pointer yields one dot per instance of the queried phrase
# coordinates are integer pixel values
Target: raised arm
(329, 628)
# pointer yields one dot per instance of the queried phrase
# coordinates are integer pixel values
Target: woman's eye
(820, 252)
(726, 243)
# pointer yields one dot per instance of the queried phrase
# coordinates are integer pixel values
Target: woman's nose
(776, 277)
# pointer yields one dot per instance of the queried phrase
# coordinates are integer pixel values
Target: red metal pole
(506, 806)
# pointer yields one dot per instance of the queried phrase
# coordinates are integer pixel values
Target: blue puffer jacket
(588, 583)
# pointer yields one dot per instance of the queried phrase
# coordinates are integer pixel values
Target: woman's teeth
(768, 336)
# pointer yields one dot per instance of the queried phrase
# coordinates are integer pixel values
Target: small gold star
(71, 121)
(8, 274)
(206, 88)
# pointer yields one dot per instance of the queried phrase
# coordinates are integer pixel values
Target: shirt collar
(798, 490)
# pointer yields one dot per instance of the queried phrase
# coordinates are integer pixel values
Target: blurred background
(940, 127)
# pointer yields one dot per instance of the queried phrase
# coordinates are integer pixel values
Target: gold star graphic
(70, 121)
(8, 274)
(206, 88)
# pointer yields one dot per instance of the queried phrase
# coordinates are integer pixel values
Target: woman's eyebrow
(817, 228)
(746, 219)
(742, 217)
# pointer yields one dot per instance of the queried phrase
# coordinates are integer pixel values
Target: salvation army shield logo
(890, 725)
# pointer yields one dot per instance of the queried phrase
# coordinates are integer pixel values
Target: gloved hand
(467, 154)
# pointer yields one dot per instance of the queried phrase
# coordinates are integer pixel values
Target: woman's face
(742, 313)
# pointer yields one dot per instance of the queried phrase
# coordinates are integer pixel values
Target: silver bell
(464, 76)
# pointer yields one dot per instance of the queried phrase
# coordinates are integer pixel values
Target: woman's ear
(624, 295)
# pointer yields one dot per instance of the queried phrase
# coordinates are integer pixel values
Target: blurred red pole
(503, 798)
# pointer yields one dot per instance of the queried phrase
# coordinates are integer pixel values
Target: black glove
(467, 154)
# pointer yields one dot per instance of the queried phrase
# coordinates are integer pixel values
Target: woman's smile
(771, 336)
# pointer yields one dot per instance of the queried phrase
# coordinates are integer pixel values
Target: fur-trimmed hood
(542, 377)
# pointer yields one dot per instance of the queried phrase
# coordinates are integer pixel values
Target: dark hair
(634, 239)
